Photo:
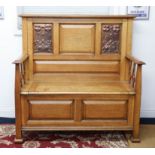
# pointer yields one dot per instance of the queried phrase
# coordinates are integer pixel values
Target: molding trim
(5, 120)
(147, 121)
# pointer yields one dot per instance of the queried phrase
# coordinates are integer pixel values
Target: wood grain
(105, 110)
(76, 16)
(77, 38)
(44, 110)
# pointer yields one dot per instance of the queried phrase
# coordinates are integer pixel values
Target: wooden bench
(77, 73)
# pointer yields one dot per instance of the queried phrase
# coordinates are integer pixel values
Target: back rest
(77, 44)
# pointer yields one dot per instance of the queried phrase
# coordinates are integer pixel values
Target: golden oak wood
(51, 110)
(76, 16)
(77, 73)
(18, 106)
(76, 66)
(105, 109)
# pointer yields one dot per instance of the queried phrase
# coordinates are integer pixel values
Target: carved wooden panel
(110, 38)
(42, 38)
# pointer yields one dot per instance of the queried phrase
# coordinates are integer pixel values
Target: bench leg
(137, 105)
(18, 137)
(135, 138)
(136, 124)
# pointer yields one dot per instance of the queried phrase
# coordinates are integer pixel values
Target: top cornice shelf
(74, 16)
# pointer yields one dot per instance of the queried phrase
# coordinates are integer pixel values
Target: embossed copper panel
(42, 38)
(110, 38)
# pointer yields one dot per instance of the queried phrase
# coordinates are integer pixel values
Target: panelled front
(51, 109)
(51, 42)
(100, 109)
(91, 111)
(47, 110)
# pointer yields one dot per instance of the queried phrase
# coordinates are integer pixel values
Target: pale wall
(10, 49)
(144, 48)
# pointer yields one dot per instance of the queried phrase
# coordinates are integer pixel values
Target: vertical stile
(25, 45)
(55, 38)
(98, 39)
(77, 115)
(30, 47)
(123, 49)
(128, 45)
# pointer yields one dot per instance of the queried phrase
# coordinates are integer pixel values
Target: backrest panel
(75, 44)
(77, 66)
(77, 38)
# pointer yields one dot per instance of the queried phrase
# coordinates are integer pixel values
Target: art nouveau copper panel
(110, 38)
(42, 38)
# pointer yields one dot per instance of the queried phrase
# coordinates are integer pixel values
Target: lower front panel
(100, 109)
(70, 113)
(50, 110)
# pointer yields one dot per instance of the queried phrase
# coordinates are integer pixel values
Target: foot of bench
(135, 140)
(18, 141)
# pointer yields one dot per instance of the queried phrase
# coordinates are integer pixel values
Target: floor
(147, 137)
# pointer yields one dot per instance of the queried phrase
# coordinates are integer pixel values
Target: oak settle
(77, 73)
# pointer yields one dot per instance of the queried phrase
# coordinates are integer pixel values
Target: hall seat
(77, 73)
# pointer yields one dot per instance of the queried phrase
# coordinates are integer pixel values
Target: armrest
(134, 70)
(20, 72)
(135, 60)
(21, 60)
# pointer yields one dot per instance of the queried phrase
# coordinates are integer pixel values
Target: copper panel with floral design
(42, 38)
(110, 42)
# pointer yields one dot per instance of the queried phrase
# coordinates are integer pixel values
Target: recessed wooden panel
(51, 109)
(68, 77)
(77, 66)
(105, 109)
(77, 38)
